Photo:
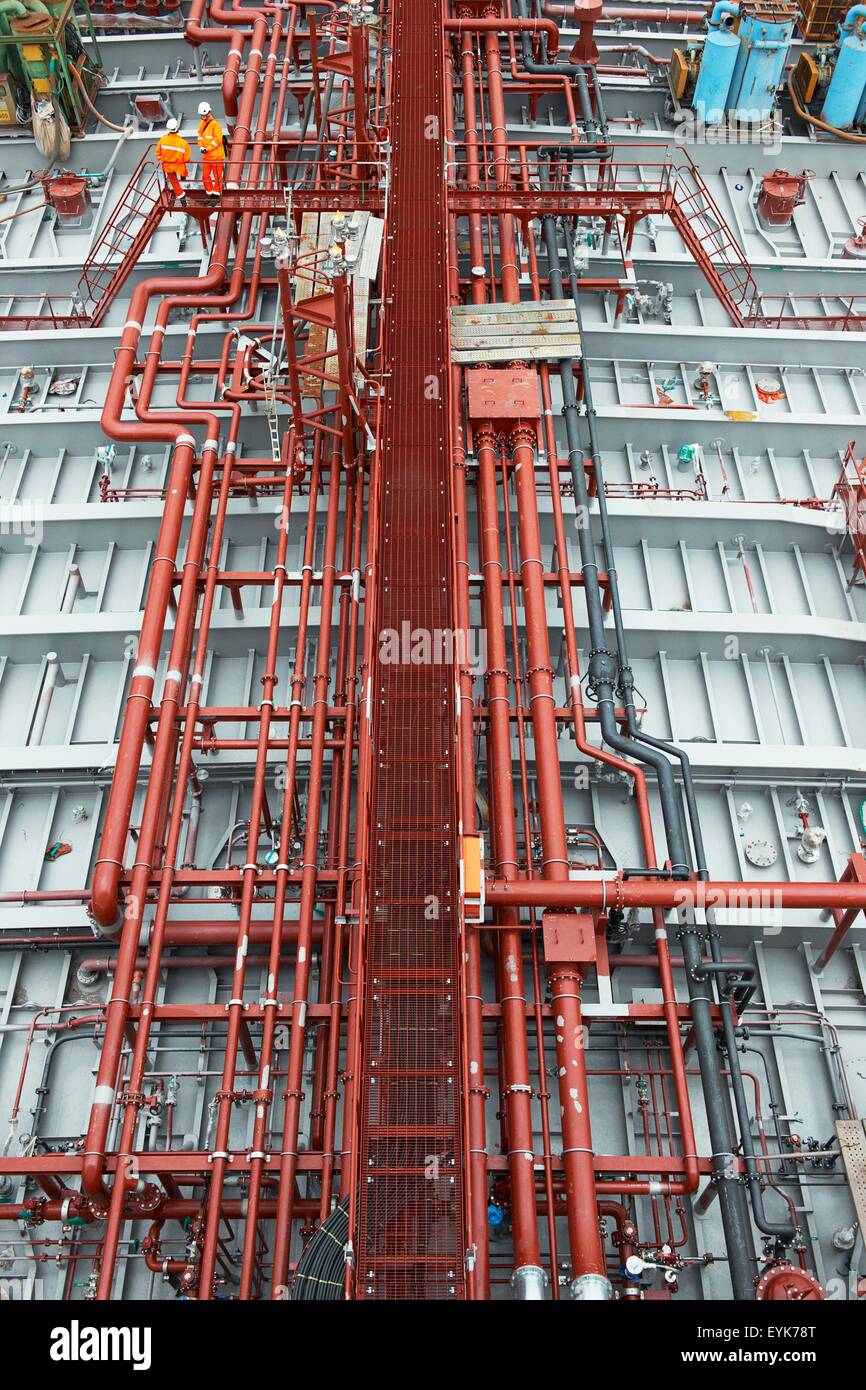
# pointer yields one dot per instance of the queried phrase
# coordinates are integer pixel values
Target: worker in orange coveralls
(173, 153)
(213, 152)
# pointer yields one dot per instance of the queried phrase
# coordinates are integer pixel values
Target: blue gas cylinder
(710, 101)
(764, 35)
(847, 91)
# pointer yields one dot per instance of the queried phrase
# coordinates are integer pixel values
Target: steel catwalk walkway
(410, 1237)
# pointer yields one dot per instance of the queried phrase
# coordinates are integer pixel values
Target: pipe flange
(593, 1288)
(529, 1283)
(788, 1283)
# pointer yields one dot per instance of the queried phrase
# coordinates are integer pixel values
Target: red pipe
(657, 14)
(108, 868)
(565, 980)
(474, 24)
(109, 863)
(597, 895)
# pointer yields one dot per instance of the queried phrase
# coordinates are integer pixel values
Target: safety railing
(619, 173)
(608, 181)
(849, 317)
(702, 227)
(46, 314)
(272, 172)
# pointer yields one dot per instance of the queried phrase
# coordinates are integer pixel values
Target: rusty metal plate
(503, 395)
(532, 331)
(852, 1141)
(569, 937)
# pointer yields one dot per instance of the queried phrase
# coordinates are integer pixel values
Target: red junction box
(507, 394)
(569, 937)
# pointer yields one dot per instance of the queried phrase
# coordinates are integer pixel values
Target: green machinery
(42, 59)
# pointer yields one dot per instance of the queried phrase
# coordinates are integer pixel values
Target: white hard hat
(172, 125)
(204, 108)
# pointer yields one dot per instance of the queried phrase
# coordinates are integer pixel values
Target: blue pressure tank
(765, 33)
(710, 101)
(845, 101)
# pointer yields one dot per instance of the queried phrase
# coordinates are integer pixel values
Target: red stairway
(850, 490)
(713, 245)
(122, 240)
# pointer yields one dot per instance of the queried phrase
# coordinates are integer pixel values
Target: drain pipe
(73, 585)
(197, 779)
(732, 1204)
(783, 1230)
(52, 678)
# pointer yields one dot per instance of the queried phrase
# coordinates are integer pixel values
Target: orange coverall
(213, 155)
(173, 153)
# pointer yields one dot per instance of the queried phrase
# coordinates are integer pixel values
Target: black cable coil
(321, 1271)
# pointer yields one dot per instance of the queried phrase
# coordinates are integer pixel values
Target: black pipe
(582, 74)
(625, 682)
(603, 665)
(741, 1270)
(783, 1230)
(732, 1205)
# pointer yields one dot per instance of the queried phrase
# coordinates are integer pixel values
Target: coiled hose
(321, 1273)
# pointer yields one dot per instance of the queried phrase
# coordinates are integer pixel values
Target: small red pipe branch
(477, 24)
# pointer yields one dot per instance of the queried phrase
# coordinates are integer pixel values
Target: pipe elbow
(551, 29)
(855, 15)
(104, 908)
(93, 1182)
(722, 8)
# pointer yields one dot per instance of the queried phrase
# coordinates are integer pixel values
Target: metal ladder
(119, 245)
(713, 245)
